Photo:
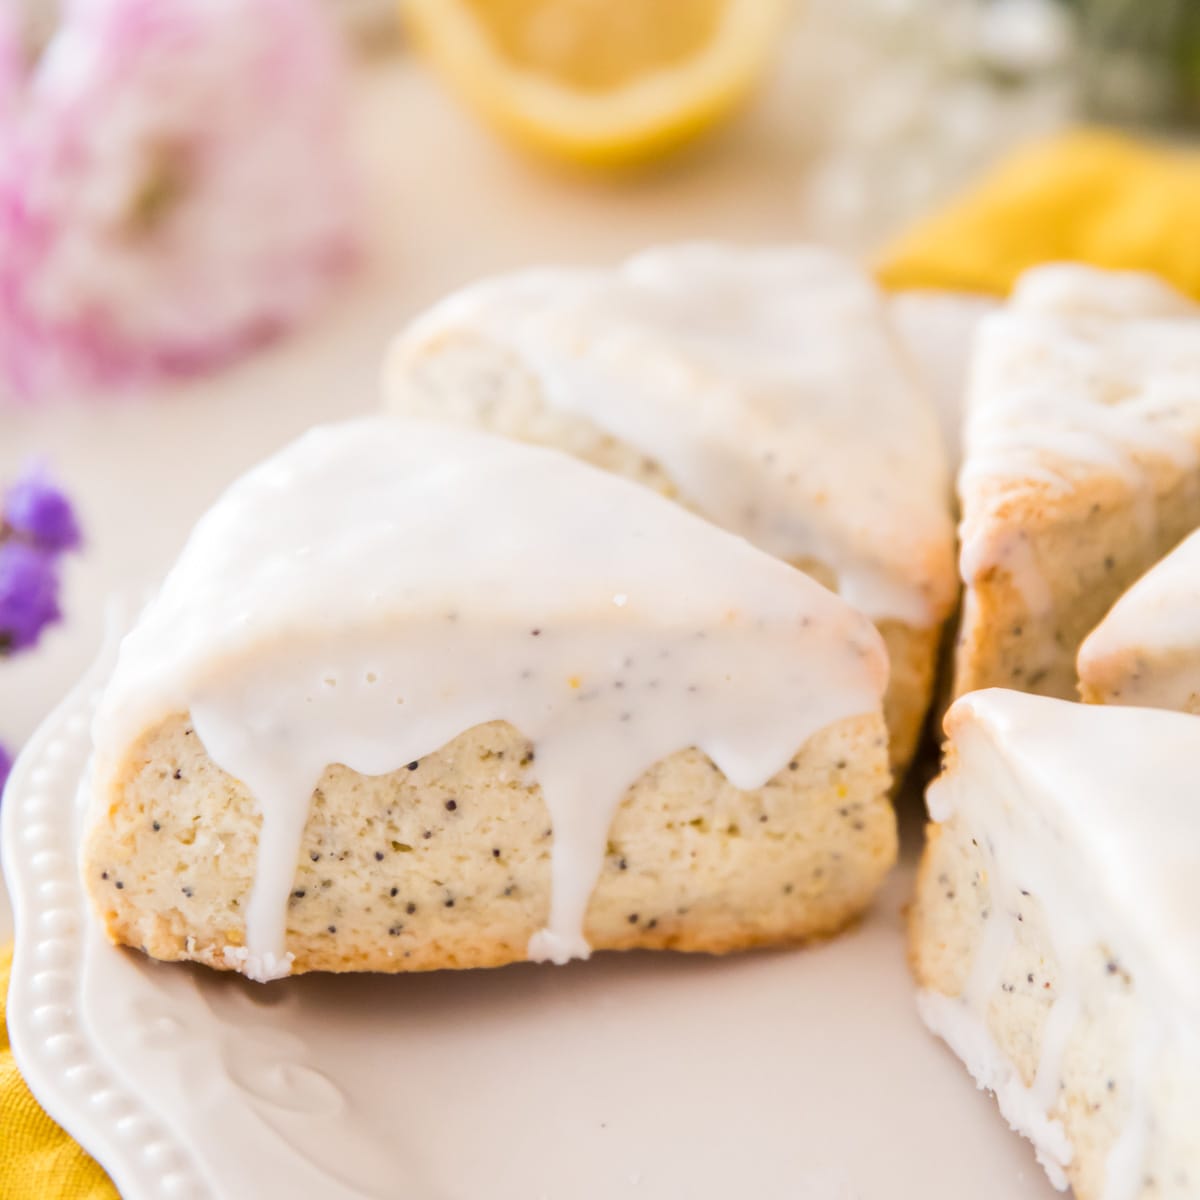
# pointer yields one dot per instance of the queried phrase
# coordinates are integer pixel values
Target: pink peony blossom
(174, 188)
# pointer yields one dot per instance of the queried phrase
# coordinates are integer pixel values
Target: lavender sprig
(37, 526)
(28, 595)
(36, 509)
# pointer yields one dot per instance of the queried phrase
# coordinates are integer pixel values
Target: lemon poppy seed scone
(762, 388)
(1081, 466)
(1146, 651)
(417, 697)
(1055, 933)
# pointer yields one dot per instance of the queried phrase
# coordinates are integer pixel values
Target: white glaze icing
(767, 383)
(1125, 1167)
(961, 1028)
(1078, 290)
(1151, 636)
(381, 586)
(1094, 813)
(1084, 370)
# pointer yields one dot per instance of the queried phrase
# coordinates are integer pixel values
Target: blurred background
(181, 184)
(215, 213)
(878, 107)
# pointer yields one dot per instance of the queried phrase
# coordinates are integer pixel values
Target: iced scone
(764, 389)
(419, 697)
(1055, 933)
(1081, 466)
(1146, 651)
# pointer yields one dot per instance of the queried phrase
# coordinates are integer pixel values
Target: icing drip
(1072, 289)
(963, 1029)
(382, 586)
(1056, 1033)
(768, 385)
(1084, 370)
(1015, 555)
(1155, 625)
(1124, 1170)
(1092, 813)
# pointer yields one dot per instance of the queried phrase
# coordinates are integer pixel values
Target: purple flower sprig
(38, 511)
(37, 527)
(28, 595)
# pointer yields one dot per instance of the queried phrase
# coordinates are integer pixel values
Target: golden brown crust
(920, 943)
(1141, 676)
(315, 954)
(913, 661)
(1055, 562)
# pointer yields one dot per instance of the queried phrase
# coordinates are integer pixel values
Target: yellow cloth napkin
(1088, 196)
(37, 1160)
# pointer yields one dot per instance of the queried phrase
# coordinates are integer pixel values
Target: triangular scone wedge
(763, 388)
(1081, 466)
(418, 697)
(1055, 933)
(1146, 651)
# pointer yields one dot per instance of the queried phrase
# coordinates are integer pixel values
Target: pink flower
(174, 188)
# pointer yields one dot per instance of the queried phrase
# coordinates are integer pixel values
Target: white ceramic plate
(799, 1075)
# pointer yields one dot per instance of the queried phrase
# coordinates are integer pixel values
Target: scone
(1056, 933)
(419, 697)
(762, 388)
(1080, 466)
(1146, 651)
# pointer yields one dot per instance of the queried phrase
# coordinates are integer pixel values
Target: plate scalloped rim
(50, 1045)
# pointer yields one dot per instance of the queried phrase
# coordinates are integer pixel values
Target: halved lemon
(603, 82)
